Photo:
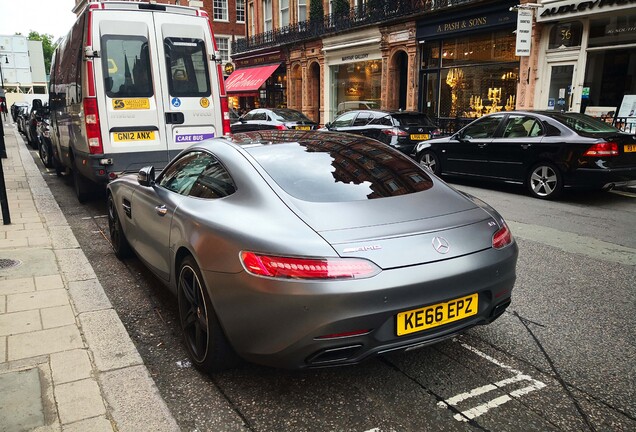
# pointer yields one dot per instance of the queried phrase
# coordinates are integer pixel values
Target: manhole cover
(7, 263)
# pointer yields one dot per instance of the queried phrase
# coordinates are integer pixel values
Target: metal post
(4, 202)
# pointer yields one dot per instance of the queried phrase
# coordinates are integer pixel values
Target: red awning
(248, 79)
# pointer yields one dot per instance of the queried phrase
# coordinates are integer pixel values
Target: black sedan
(311, 249)
(399, 129)
(546, 151)
(274, 118)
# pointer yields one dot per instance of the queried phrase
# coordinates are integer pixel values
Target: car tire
(45, 154)
(60, 169)
(117, 237)
(429, 160)
(207, 345)
(81, 185)
(544, 181)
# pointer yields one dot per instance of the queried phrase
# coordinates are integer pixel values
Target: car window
(198, 174)
(289, 115)
(344, 120)
(126, 66)
(482, 128)
(382, 120)
(329, 170)
(187, 62)
(259, 115)
(406, 120)
(519, 126)
(363, 119)
(583, 123)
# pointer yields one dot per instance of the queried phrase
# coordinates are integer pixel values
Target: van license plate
(416, 320)
(134, 136)
(303, 127)
(630, 148)
(419, 137)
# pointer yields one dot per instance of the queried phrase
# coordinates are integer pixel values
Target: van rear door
(191, 86)
(131, 116)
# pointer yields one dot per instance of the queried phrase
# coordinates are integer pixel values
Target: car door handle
(482, 145)
(161, 210)
(526, 146)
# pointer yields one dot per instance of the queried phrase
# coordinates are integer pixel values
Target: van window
(126, 66)
(188, 67)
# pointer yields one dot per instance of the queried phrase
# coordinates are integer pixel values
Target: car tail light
(602, 149)
(307, 268)
(436, 133)
(281, 127)
(394, 132)
(502, 238)
(91, 120)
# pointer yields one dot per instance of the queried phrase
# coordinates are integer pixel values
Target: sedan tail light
(502, 238)
(602, 149)
(394, 132)
(307, 268)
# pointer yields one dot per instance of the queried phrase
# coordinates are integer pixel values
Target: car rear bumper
(601, 178)
(292, 324)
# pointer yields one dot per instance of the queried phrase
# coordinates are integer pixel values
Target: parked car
(45, 147)
(303, 249)
(147, 87)
(274, 118)
(23, 118)
(356, 105)
(15, 108)
(32, 123)
(399, 129)
(545, 150)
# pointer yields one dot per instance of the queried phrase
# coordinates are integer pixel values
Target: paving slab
(48, 282)
(88, 296)
(21, 406)
(95, 424)
(43, 342)
(74, 265)
(57, 316)
(35, 262)
(79, 400)
(20, 322)
(37, 300)
(70, 366)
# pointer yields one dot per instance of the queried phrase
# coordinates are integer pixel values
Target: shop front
(353, 72)
(588, 61)
(259, 81)
(468, 63)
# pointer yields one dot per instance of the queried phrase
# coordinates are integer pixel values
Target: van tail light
(91, 120)
(394, 132)
(502, 238)
(602, 149)
(307, 268)
(225, 112)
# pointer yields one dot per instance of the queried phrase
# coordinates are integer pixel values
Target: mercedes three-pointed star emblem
(440, 244)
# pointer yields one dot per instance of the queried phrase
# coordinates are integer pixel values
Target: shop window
(486, 48)
(430, 55)
(356, 85)
(615, 30)
(565, 35)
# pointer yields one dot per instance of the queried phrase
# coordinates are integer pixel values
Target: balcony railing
(374, 11)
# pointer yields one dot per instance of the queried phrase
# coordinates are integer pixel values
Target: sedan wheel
(545, 181)
(206, 343)
(117, 238)
(429, 160)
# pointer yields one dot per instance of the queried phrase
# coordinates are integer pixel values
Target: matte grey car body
(297, 197)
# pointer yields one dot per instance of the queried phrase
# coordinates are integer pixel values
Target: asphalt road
(562, 357)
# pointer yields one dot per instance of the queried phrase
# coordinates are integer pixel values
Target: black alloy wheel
(207, 345)
(45, 154)
(544, 181)
(118, 240)
(429, 161)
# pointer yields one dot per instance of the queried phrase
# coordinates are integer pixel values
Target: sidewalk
(66, 360)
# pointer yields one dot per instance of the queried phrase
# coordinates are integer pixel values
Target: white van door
(191, 88)
(131, 113)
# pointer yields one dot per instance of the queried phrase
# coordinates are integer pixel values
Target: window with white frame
(302, 10)
(267, 16)
(284, 13)
(223, 46)
(240, 11)
(220, 10)
(252, 29)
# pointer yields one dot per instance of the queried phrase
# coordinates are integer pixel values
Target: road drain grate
(7, 263)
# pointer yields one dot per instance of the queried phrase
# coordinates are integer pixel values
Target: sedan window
(198, 174)
(482, 128)
(522, 127)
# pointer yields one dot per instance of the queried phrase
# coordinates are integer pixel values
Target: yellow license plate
(436, 315)
(419, 137)
(630, 148)
(303, 127)
(134, 136)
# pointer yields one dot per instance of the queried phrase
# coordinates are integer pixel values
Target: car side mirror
(328, 125)
(146, 176)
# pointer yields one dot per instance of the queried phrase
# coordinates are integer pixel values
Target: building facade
(22, 65)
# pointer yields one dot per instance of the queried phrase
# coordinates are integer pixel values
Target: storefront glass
(477, 75)
(356, 82)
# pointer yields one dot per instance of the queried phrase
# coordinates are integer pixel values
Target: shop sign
(524, 32)
(355, 57)
(569, 8)
(400, 36)
(458, 25)
(272, 57)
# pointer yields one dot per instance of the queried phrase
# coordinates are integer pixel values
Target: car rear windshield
(339, 168)
(288, 115)
(413, 120)
(583, 123)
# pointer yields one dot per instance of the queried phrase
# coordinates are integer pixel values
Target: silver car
(301, 249)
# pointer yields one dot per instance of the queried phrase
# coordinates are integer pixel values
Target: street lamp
(6, 60)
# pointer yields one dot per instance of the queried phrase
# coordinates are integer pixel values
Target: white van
(132, 85)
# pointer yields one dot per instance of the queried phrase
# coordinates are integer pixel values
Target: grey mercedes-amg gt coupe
(302, 249)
